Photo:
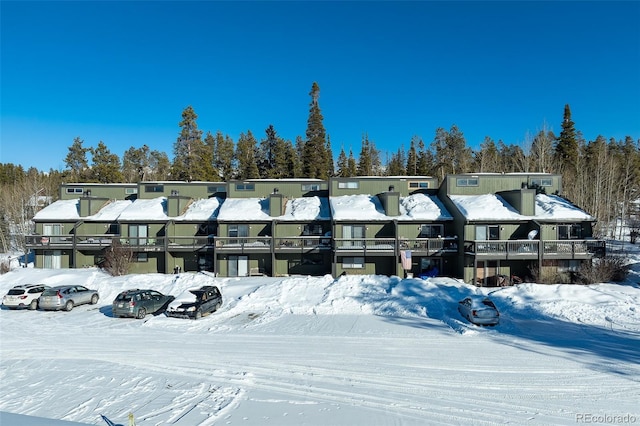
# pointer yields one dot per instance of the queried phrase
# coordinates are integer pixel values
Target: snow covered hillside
(359, 350)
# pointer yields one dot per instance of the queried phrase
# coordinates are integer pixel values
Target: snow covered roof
(143, 209)
(307, 209)
(368, 207)
(552, 207)
(485, 207)
(362, 207)
(357, 207)
(423, 207)
(111, 211)
(204, 209)
(244, 209)
(494, 207)
(61, 209)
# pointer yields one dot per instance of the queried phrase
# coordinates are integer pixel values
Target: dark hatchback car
(195, 303)
(138, 303)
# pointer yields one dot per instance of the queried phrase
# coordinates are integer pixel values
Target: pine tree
(106, 166)
(329, 158)
(314, 155)
(342, 164)
(352, 168)
(275, 160)
(224, 156)
(76, 161)
(188, 150)
(426, 161)
(246, 155)
(567, 144)
(294, 166)
(412, 159)
(299, 149)
(159, 166)
(452, 155)
(395, 166)
(208, 170)
(487, 159)
(136, 164)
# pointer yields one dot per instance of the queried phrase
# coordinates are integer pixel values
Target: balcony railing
(378, 245)
(503, 249)
(429, 245)
(49, 240)
(197, 242)
(244, 243)
(574, 248)
(305, 243)
(529, 249)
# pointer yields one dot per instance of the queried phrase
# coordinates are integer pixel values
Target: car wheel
(68, 306)
(94, 299)
(142, 312)
(199, 314)
(33, 305)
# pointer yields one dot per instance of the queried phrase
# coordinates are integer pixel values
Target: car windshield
(488, 303)
(15, 292)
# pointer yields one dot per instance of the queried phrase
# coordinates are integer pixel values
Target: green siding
(113, 191)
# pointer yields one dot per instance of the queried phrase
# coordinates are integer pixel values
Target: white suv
(24, 296)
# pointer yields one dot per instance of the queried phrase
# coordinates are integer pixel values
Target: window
(418, 185)
(213, 189)
(130, 191)
(154, 188)
(570, 232)
(349, 185)
(430, 231)
(138, 235)
(487, 232)
(140, 257)
(245, 187)
(312, 229)
(52, 259)
(540, 182)
(353, 262)
(114, 228)
(236, 231)
(74, 190)
(467, 182)
(54, 232)
(354, 234)
(311, 187)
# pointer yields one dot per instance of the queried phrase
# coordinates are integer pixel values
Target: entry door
(238, 266)
(53, 259)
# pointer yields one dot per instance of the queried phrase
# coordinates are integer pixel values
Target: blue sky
(123, 72)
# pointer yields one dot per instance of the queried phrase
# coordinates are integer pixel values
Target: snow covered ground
(360, 350)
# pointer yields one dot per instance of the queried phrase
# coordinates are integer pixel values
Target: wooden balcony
(573, 249)
(503, 249)
(429, 246)
(530, 249)
(365, 246)
(305, 244)
(191, 243)
(67, 241)
(243, 244)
